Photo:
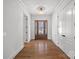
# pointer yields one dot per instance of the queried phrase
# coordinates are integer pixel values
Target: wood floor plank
(41, 49)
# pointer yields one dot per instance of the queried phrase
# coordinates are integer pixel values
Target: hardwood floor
(41, 49)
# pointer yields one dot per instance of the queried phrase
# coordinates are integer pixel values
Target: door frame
(44, 27)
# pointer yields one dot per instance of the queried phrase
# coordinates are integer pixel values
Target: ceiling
(49, 5)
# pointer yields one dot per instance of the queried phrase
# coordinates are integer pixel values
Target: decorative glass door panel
(40, 29)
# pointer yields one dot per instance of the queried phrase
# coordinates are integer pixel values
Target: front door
(40, 29)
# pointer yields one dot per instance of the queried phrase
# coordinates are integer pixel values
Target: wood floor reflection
(41, 49)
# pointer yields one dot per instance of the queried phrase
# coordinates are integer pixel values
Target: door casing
(44, 35)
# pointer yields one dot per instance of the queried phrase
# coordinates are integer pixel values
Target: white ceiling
(32, 5)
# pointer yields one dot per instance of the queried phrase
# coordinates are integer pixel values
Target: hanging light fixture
(41, 10)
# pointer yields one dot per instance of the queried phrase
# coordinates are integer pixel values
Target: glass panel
(41, 27)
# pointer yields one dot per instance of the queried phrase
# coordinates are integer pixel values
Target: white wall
(13, 29)
(54, 26)
(41, 17)
(63, 19)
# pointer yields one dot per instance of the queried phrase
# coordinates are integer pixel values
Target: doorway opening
(41, 29)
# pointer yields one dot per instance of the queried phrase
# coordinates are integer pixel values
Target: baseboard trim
(27, 41)
(60, 49)
(13, 56)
